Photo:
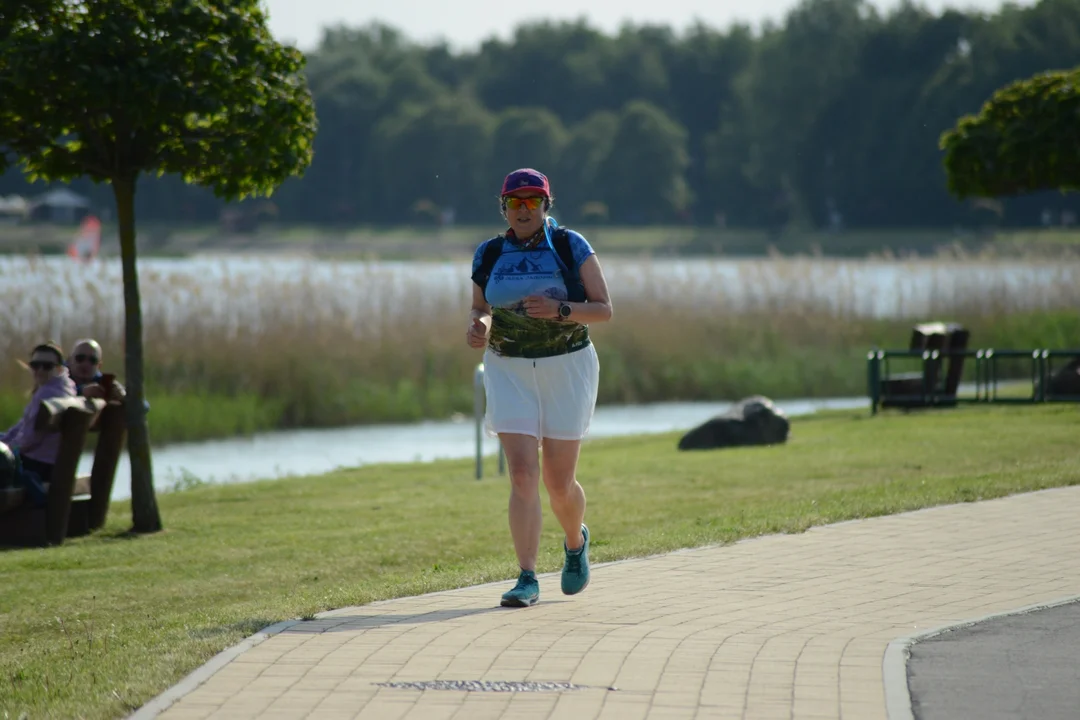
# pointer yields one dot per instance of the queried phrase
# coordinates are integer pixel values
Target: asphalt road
(1020, 667)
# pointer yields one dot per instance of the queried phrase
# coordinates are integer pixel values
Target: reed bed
(235, 345)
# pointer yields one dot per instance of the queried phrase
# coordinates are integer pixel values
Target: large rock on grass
(751, 421)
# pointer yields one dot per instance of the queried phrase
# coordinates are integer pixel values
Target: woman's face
(44, 365)
(525, 212)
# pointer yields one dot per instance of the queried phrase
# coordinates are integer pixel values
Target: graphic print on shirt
(517, 274)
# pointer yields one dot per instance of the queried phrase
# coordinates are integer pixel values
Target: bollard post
(873, 379)
(980, 362)
(478, 413)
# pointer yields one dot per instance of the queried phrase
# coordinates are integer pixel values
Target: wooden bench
(928, 387)
(75, 505)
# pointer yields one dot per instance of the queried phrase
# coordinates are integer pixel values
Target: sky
(464, 24)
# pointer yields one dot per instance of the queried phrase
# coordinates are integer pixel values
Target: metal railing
(479, 400)
(987, 376)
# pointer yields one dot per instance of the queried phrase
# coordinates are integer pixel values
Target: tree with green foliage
(113, 89)
(577, 181)
(1026, 138)
(435, 156)
(646, 137)
(526, 137)
(838, 107)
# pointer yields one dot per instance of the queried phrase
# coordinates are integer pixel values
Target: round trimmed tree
(1026, 138)
(112, 89)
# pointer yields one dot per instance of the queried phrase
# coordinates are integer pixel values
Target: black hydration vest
(560, 240)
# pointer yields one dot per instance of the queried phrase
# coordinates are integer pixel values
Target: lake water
(306, 452)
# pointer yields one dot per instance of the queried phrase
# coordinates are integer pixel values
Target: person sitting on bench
(84, 364)
(38, 450)
(85, 368)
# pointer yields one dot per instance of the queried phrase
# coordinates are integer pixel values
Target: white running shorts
(552, 397)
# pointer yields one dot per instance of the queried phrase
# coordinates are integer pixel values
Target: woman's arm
(597, 309)
(9, 437)
(479, 320)
(480, 308)
(28, 437)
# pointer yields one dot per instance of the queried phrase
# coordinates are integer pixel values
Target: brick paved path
(785, 626)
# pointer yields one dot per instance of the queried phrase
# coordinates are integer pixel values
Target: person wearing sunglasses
(38, 450)
(536, 289)
(84, 364)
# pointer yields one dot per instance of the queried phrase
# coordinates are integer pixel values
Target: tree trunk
(144, 510)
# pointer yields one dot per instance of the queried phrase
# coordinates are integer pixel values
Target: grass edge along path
(102, 624)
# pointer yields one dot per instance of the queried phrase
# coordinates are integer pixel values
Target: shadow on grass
(128, 534)
(35, 540)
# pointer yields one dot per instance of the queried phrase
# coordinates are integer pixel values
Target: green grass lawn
(102, 624)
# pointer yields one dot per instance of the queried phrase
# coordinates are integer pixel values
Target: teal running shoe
(525, 593)
(575, 572)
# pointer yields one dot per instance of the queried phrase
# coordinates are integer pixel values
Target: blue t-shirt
(519, 273)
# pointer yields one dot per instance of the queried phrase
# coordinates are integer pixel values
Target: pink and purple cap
(526, 179)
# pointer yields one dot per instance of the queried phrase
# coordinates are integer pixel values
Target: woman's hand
(540, 306)
(477, 334)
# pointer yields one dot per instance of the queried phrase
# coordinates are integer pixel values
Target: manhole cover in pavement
(484, 686)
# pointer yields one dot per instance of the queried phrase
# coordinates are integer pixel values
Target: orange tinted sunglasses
(532, 203)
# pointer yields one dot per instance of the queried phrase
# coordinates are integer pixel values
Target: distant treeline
(831, 118)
